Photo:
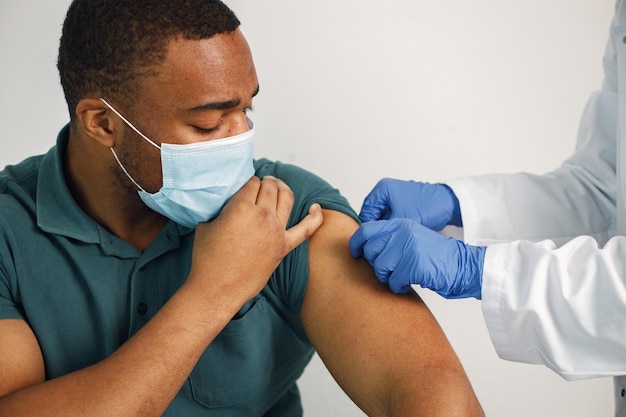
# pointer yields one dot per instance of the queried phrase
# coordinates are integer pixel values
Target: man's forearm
(143, 376)
(447, 394)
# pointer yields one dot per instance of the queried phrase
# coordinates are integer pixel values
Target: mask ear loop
(136, 131)
(126, 172)
(130, 124)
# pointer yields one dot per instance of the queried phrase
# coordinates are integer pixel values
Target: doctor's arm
(578, 198)
(562, 307)
(386, 351)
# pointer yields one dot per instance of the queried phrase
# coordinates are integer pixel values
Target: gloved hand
(403, 252)
(432, 205)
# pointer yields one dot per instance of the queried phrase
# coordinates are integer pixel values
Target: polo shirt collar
(58, 213)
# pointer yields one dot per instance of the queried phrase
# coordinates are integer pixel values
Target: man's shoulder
(308, 188)
(20, 173)
(289, 173)
(18, 185)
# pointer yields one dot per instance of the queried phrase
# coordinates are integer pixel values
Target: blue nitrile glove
(403, 252)
(432, 205)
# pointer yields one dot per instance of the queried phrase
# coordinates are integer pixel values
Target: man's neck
(98, 192)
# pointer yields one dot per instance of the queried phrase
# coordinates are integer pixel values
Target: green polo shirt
(84, 291)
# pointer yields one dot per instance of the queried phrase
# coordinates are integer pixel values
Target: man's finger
(297, 234)
(249, 190)
(284, 204)
(268, 192)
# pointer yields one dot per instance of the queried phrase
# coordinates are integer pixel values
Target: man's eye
(205, 131)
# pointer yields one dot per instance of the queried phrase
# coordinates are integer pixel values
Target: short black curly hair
(107, 45)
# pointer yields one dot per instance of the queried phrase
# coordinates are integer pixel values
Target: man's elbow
(447, 393)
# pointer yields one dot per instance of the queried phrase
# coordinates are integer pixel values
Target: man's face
(201, 92)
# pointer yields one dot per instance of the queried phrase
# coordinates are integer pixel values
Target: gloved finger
(357, 240)
(400, 267)
(371, 242)
(376, 203)
(364, 233)
(373, 211)
(398, 284)
(388, 256)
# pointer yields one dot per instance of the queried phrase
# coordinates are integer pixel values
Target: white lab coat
(561, 302)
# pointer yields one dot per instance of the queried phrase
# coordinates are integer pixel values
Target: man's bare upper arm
(21, 361)
(377, 344)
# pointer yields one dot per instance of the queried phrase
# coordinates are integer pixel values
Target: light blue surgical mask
(198, 178)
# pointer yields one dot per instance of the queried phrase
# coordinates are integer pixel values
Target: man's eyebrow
(220, 105)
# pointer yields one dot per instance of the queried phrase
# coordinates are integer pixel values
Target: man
(119, 298)
(559, 302)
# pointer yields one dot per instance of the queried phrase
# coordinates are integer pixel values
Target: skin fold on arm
(386, 351)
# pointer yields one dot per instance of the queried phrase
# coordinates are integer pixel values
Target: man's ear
(97, 121)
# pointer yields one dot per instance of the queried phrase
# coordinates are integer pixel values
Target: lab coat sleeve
(561, 307)
(579, 198)
(562, 301)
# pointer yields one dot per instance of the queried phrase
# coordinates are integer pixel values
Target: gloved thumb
(376, 242)
(365, 233)
(372, 212)
(370, 239)
(376, 204)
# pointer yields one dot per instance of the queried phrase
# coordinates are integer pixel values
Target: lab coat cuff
(469, 212)
(494, 290)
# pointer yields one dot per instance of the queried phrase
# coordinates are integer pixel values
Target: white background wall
(355, 91)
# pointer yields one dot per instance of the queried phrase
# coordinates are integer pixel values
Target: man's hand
(432, 205)
(247, 241)
(233, 256)
(403, 252)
